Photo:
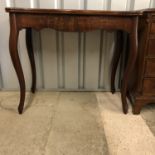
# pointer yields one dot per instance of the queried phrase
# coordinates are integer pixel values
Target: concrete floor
(79, 123)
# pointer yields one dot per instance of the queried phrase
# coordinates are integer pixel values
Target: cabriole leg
(31, 58)
(130, 64)
(13, 41)
(116, 58)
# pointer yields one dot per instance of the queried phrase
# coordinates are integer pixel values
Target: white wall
(64, 60)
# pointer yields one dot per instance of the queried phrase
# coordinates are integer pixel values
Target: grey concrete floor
(62, 123)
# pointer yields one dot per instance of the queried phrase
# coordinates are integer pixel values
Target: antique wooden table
(70, 21)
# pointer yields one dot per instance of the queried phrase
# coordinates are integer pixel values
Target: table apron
(74, 23)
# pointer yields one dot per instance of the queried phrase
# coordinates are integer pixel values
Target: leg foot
(20, 110)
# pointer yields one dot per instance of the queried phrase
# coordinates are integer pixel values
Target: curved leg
(116, 58)
(31, 57)
(14, 32)
(130, 64)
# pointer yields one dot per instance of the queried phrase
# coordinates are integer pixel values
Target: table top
(74, 12)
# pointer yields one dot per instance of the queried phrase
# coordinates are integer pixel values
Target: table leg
(13, 41)
(31, 57)
(116, 58)
(130, 64)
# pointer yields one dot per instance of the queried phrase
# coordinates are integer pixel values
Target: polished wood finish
(71, 21)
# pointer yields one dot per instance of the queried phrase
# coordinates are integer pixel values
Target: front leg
(13, 41)
(130, 64)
